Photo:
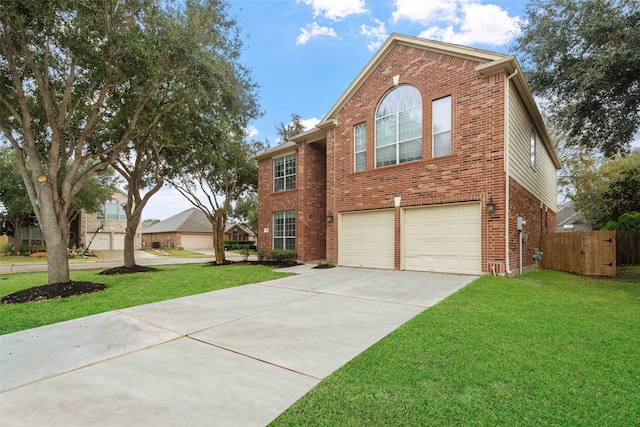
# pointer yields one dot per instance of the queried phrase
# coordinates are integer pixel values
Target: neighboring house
(108, 225)
(189, 229)
(110, 220)
(568, 219)
(424, 163)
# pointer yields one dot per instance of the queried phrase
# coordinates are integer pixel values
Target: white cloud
(309, 123)
(251, 131)
(335, 9)
(314, 31)
(378, 34)
(466, 22)
(164, 204)
(424, 12)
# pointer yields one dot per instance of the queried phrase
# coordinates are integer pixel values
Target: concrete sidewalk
(110, 259)
(239, 356)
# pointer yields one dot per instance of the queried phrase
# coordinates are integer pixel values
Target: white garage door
(367, 239)
(444, 238)
(102, 241)
(118, 241)
(195, 241)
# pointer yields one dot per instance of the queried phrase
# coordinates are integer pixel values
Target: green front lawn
(546, 348)
(170, 281)
(177, 253)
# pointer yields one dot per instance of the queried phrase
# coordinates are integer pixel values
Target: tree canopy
(288, 130)
(604, 189)
(81, 80)
(583, 56)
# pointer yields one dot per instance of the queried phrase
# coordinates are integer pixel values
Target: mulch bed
(52, 291)
(276, 264)
(128, 270)
(64, 290)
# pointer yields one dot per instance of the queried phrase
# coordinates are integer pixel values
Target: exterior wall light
(491, 206)
(330, 217)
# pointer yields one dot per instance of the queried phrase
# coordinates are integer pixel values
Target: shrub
(261, 256)
(244, 252)
(629, 221)
(7, 248)
(238, 244)
(282, 256)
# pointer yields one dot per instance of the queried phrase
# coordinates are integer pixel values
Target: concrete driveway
(236, 357)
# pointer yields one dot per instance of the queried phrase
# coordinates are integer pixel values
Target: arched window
(399, 127)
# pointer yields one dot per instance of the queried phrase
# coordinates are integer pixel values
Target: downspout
(506, 167)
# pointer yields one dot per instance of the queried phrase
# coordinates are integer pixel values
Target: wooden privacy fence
(628, 247)
(588, 253)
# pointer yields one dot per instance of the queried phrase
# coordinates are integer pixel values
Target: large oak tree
(583, 56)
(82, 80)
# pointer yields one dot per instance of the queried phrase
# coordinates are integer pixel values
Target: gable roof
(192, 220)
(489, 63)
(473, 54)
(567, 214)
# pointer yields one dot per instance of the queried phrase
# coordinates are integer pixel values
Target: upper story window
(441, 120)
(360, 147)
(112, 211)
(399, 127)
(284, 173)
(533, 148)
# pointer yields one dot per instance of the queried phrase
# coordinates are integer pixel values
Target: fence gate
(589, 253)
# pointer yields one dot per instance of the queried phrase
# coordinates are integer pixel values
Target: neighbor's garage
(367, 239)
(443, 238)
(101, 241)
(195, 241)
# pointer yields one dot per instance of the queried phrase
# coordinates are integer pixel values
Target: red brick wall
(173, 238)
(311, 216)
(269, 202)
(540, 219)
(307, 200)
(473, 172)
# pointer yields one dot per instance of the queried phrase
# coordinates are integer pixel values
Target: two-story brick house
(425, 162)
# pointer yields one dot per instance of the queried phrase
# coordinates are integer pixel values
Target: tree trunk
(218, 221)
(56, 236)
(130, 242)
(17, 234)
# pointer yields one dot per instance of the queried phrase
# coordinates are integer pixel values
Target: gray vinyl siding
(541, 180)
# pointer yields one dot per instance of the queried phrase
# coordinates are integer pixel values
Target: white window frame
(287, 235)
(395, 117)
(288, 177)
(439, 128)
(359, 138)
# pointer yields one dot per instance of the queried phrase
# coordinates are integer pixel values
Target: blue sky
(305, 53)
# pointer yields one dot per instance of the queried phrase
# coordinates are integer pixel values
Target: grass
(179, 253)
(170, 281)
(20, 259)
(175, 253)
(546, 348)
